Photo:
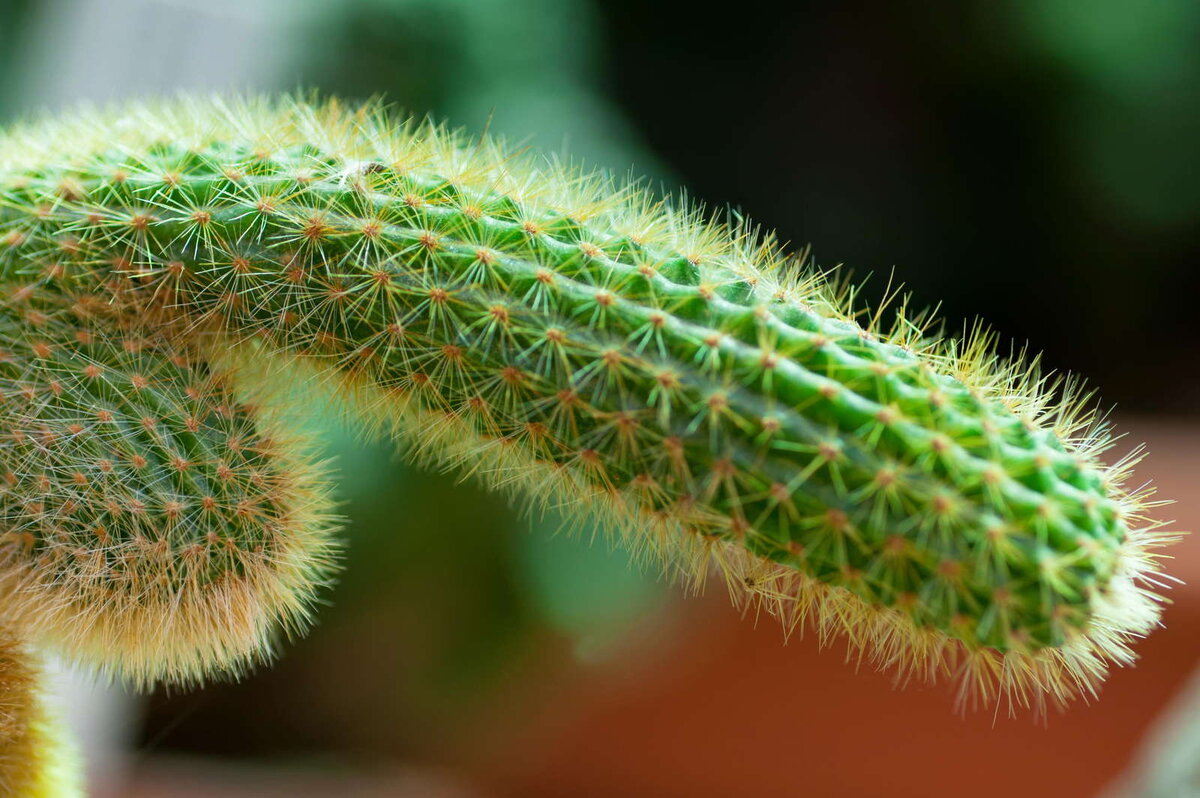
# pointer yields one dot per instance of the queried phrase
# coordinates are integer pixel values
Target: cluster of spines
(705, 395)
(152, 522)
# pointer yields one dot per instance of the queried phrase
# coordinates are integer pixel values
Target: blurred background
(1032, 162)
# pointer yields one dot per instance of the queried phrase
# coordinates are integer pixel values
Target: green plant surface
(162, 523)
(709, 398)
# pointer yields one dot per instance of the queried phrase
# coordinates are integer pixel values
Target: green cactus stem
(705, 396)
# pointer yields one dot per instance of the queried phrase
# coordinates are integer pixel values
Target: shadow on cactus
(172, 272)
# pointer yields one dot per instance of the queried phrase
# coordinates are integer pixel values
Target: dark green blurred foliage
(1032, 164)
(531, 70)
(1131, 78)
(13, 14)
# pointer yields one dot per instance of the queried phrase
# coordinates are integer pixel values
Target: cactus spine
(165, 528)
(705, 396)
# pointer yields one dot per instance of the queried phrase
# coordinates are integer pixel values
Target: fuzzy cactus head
(704, 396)
(155, 525)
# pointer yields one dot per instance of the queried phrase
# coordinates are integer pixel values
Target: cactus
(36, 759)
(172, 272)
(162, 527)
